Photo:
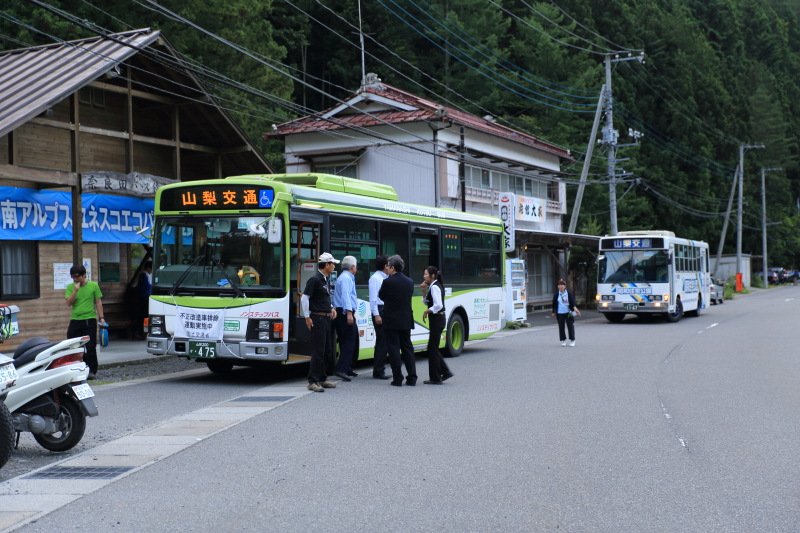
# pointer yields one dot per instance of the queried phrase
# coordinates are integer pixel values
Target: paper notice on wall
(61, 276)
(201, 324)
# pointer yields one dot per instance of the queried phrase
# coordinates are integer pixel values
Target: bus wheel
(615, 318)
(678, 314)
(696, 312)
(218, 366)
(456, 334)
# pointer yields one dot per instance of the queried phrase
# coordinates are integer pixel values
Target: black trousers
(570, 322)
(397, 341)
(381, 353)
(436, 364)
(79, 328)
(322, 349)
(347, 336)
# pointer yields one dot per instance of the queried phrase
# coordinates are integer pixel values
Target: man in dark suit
(398, 320)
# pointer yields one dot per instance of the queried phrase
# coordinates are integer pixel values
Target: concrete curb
(102, 366)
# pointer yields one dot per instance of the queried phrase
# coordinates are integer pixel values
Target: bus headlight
(656, 297)
(263, 335)
(156, 330)
(610, 297)
(604, 304)
(263, 324)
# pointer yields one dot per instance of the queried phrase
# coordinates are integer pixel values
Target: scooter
(8, 375)
(51, 398)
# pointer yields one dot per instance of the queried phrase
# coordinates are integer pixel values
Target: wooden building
(117, 115)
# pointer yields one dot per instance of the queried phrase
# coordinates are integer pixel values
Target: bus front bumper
(620, 307)
(251, 350)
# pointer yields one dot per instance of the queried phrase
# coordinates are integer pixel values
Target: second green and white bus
(648, 273)
(232, 257)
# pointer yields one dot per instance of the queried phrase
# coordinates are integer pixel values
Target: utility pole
(742, 148)
(462, 171)
(361, 37)
(573, 222)
(725, 224)
(764, 221)
(611, 136)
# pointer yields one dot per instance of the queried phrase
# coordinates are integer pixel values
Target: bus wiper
(216, 262)
(185, 273)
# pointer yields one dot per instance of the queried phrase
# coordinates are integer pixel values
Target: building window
(502, 181)
(541, 274)
(349, 170)
(19, 269)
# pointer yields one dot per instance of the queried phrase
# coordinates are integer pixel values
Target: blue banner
(32, 215)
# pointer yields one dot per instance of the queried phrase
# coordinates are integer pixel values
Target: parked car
(775, 275)
(717, 291)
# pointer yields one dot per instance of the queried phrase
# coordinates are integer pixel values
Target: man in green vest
(83, 297)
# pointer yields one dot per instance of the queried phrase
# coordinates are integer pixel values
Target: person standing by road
(397, 292)
(84, 297)
(346, 302)
(145, 285)
(433, 297)
(563, 310)
(317, 308)
(376, 309)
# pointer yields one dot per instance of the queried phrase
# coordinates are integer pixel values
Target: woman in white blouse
(433, 297)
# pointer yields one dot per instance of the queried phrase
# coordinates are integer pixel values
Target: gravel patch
(136, 370)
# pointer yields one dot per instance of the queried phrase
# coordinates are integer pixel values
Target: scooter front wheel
(71, 425)
(7, 434)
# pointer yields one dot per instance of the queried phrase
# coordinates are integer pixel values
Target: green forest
(716, 74)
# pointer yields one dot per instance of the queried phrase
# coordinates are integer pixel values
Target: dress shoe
(433, 382)
(396, 383)
(91, 377)
(411, 383)
(381, 376)
(340, 375)
(352, 374)
(447, 375)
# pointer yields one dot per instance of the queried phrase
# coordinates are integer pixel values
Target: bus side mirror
(599, 258)
(274, 231)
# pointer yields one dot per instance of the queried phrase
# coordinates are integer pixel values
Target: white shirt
(375, 282)
(436, 295)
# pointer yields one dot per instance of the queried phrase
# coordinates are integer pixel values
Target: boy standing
(83, 296)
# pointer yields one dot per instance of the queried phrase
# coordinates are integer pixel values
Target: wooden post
(129, 144)
(176, 136)
(77, 190)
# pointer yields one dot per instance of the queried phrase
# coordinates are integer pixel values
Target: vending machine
(516, 290)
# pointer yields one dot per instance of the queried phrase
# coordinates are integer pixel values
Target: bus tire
(219, 366)
(615, 318)
(677, 315)
(697, 311)
(456, 336)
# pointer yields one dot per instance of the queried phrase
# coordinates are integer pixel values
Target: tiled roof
(424, 110)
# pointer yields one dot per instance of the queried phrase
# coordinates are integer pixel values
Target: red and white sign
(508, 206)
(531, 209)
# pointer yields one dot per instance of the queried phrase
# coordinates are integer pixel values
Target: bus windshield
(250, 261)
(646, 266)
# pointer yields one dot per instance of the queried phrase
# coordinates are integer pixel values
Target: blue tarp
(32, 215)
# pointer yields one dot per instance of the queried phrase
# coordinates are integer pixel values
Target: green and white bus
(232, 257)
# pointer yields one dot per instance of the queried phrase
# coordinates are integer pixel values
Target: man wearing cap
(318, 310)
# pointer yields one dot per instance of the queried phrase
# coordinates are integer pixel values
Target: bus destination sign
(216, 197)
(631, 243)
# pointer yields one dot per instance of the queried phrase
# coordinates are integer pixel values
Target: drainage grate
(263, 399)
(81, 472)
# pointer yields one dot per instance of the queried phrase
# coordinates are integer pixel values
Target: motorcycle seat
(28, 350)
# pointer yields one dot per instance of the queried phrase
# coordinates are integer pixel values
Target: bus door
(305, 249)
(424, 253)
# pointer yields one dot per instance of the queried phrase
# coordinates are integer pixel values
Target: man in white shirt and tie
(376, 308)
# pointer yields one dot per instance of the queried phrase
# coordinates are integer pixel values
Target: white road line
(789, 299)
(712, 325)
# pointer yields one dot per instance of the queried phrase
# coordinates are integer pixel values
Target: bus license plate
(83, 391)
(630, 307)
(203, 349)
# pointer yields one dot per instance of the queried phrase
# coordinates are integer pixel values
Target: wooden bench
(121, 316)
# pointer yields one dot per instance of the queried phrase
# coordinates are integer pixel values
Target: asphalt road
(643, 426)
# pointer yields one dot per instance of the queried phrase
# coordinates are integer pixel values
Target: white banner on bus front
(201, 324)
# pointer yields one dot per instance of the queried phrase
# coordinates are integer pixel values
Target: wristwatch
(103, 318)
